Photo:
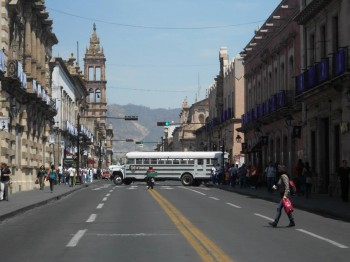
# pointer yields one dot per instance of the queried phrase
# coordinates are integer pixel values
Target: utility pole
(78, 142)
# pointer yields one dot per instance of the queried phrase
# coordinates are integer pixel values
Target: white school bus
(191, 168)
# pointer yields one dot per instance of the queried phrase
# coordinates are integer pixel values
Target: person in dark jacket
(283, 187)
(344, 173)
(5, 180)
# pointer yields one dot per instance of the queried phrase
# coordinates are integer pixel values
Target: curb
(38, 204)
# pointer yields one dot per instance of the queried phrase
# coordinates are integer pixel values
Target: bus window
(131, 161)
(191, 161)
(146, 161)
(153, 161)
(138, 161)
(200, 161)
(176, 161)
(161, 161)
(169, 162)
(183, 161)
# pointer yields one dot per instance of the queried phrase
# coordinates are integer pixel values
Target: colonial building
(26, 108)
(226, 105)
(323, 86)
(191, 119)
(272, 121)
(69, 90)
(95, 77)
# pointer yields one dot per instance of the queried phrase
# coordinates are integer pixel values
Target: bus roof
(173, 154)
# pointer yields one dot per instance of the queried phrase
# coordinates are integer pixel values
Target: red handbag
(287, 205)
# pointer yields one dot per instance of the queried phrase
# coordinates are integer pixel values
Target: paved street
(102, 222)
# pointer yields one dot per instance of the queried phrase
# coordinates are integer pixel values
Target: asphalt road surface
(104, 222)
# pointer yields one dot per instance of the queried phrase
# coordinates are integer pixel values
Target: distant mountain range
(145, 129)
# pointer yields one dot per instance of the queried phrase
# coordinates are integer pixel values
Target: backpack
(292, 187)
(52, 175)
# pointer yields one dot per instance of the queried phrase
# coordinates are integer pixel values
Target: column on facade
(34, 53)
(28, 45)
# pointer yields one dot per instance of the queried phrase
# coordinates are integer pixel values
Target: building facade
(323, 87)
(26, 109)
(272, 115)
(226, 105)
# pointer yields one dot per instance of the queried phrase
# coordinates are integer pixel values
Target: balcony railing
(320, 72)
(277, 101)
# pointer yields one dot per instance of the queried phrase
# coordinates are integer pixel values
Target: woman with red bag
(283, 188)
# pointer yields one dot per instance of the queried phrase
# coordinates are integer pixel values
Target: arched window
(91, 95)
(201, 118)
(98, 96)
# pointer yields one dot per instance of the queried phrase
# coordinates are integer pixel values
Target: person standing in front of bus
(150, 176)
(214, 174)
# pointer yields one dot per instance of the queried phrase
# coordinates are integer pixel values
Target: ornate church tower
(95, 77)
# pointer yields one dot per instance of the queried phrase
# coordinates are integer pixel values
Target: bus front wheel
(118, 180)
(187, 180)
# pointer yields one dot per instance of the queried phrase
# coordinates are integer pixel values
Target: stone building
(70, 93)
(26, 108)
(226, 105)
(323, 87)
(272, 121)
(96, 84)
(192, 118)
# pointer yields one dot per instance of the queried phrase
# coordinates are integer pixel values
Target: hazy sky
(158, 51)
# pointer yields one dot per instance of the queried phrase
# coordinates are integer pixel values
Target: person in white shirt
(72, 175)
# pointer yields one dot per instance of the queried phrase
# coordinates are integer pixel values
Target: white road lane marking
(104, 199)
(110, 191)
(322, 238)
(214, 198)
(194, 191)
(108, 195)
(92, 218)
(265, 217)
(233, 205)
(75, 239)
(100, 206)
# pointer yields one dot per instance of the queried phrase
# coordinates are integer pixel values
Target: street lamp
(238, 139)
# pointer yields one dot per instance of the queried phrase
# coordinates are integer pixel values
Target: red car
(105, 175)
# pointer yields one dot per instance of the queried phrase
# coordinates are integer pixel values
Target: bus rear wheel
(196, 182)
(187, 180)
(127, 182)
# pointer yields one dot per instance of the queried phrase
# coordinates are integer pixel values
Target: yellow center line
(207, 250)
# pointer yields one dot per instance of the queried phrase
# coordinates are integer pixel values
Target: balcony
(269, 109)
(319, 73)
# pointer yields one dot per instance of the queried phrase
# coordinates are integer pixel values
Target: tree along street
(169, 223)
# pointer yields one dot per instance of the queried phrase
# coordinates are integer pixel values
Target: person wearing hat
(150, 175)
(283, 187)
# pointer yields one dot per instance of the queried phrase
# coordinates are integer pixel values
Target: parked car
(105, 174)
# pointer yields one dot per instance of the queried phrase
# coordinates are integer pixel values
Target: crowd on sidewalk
(54, 176)
(249, 176)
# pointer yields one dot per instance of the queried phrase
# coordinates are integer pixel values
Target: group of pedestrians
(61, 175)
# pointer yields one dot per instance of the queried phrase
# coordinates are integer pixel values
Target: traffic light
(139, 142)
(131, 118)
(163, 123)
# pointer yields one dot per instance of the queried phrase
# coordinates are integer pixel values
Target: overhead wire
(153, 27)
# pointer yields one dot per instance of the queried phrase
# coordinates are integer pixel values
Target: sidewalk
(23, 201)
(324, 205)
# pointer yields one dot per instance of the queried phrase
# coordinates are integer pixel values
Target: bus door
(199, 167)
